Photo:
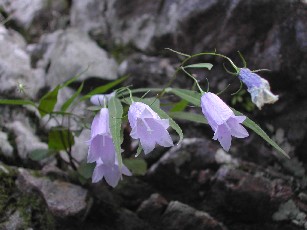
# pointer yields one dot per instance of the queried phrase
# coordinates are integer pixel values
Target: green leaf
(40, 154)
(104, 88)
(116, 113)
(73, 79)
(48, 101)
(139, 150)
(86, 169)
(188, 116)
(60, 138)
(191, 96)
(256, 128)
(73, 97)
(200, 65)
(94, 108)
(137, 166)
(16, 102)
(179, 106)
(164, 115)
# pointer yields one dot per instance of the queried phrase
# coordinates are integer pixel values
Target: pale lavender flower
(112, 173)
(258, 87)
(222, 120)
(101, 143)
(148, 127)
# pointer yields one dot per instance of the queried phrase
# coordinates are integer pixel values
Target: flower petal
(215, 110)
(223, 135)
(112, 175)
(98, 173)
(236, 129)
(100, 124)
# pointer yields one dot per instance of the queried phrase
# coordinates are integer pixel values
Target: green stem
(195, 80)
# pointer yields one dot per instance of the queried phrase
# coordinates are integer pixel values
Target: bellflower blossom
(258, 87)
(110, 172)
(101, 143)
(222, 120)
(148, 127)
(102, 151)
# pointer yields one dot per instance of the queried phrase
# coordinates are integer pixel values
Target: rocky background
(194, 185)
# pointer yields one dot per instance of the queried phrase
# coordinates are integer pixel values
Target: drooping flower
(222, 120)
(148, 127)
(101, 143)
(112, 173)
(258, 87)
(102, 151)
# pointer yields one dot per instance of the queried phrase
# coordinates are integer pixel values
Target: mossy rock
(30, 208)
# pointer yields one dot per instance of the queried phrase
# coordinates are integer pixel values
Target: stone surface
(5, 147)
(64, 200)
(146, 70)
(15, 221)
(248, 197)
(23, 11)
(181, 165)
(129, 221)
(152, 209)
(70, 52)
(179, 216)
(15, 66)
(25, 139)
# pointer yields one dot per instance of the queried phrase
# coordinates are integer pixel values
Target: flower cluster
(151, 130)
(102, 151)
(146, 125)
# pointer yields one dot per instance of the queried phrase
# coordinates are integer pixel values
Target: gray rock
(23, 11)
(247, 196)
(289, 211)
(152, 209)
(5, 147)
(147, 71)
(129, 221)
(70, 52)
(25, 139)
(179, 216)
(35, 16)
(15, 66)
(63, 199)
(15, 221)
(182, 164)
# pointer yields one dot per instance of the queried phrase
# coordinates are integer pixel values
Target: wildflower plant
(149, 123)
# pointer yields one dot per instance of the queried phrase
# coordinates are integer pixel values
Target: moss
(31, 206)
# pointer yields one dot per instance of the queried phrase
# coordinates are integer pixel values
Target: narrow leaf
(188, 116)
(116, 113)
(66, 105)
(191, 96)
(256, 128)
(179, 106)
(137, 166)
(48, 101)
(200, 65)
(104, 88)
(60, 138)
(16, 102)
(73, 79)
